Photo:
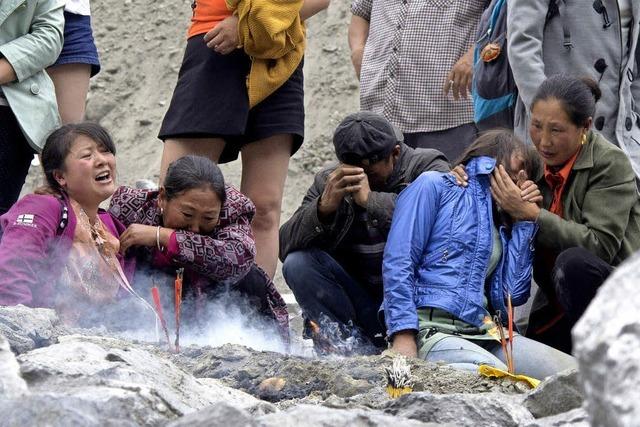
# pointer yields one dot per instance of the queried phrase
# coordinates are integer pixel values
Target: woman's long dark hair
(191, 172)
(58, 145)
(501, 144)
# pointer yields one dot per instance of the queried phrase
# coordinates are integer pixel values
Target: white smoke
(228, 319)
(231, 320)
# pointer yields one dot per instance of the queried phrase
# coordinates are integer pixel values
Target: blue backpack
(494, 91)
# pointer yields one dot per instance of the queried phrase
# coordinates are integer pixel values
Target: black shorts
(211, 101)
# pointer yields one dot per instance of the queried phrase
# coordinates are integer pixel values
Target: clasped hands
(520, 198)
(344, 180)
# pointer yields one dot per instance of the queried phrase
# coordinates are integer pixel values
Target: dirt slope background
(141, 44)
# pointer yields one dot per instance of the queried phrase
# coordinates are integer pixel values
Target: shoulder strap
(498, 8)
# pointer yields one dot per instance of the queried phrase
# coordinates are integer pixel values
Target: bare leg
(264, 170)
(72, 85)
(176, 148)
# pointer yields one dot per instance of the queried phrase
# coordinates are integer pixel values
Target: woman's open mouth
(103, 177)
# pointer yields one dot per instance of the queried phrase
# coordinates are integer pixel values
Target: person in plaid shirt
(414, 60)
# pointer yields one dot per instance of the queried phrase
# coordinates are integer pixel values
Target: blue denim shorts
(79, 46)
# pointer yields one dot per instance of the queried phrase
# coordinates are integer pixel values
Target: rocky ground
(53, 375)
(56, 376)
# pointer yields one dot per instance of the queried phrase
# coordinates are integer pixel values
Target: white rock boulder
(11, 383)
(607, 346)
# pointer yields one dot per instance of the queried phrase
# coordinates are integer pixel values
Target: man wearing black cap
(333, 244)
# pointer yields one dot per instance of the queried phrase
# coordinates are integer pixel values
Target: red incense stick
(155, 293)
(178, 303)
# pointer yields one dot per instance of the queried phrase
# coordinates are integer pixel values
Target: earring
(584, 138)
(162, 210)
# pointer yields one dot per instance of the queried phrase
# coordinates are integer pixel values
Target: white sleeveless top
(79, 7)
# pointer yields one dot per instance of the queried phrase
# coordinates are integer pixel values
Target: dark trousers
(451, 142)
(573, 283)
(253, 286)
(15, 159)
(322, 287)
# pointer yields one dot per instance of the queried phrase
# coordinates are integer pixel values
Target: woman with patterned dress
(196, 222)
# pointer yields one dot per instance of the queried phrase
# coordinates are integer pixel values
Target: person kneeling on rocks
(459, 259)
(58, 249)
(332, 245)
(198, 223)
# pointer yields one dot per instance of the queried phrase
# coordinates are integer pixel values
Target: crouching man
(333, 244)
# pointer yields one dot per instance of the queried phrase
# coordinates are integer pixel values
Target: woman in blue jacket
(455, 256)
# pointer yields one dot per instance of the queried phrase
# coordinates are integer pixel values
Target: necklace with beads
(96, 231)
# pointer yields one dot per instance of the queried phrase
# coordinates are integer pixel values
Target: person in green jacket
(30, 40)
(589, 217)
(590, 221)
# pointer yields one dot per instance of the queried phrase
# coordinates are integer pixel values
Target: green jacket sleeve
(40, 48)
(609, 198)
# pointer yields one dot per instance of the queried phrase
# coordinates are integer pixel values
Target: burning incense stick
(503, 341)
(155, 293)
(512, 369)
(178, 303)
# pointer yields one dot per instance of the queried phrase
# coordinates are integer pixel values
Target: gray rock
(320, 416)
(11, 383)
(577, 417)
(376, 398)
(119, 377)
(472, 410)
(28, 328)
(607, 345)
(300, 415)
(555, 395)
(217, 415)
(60, 410)
(346, 386)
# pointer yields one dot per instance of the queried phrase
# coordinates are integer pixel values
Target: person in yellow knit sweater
(240, 90)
